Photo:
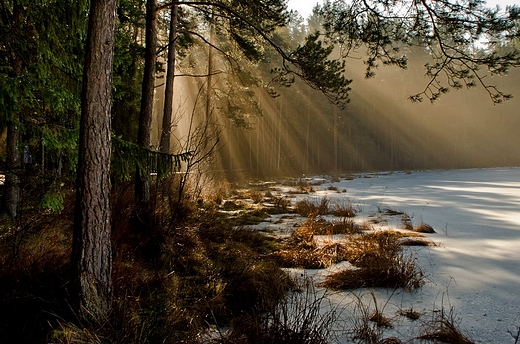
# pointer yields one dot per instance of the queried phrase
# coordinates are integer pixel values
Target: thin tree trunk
(335, 129)
(279, 135)
(170, 77)
(12, 178)
(91, 252)
(307, 133)
(210, 71)
(142, 185)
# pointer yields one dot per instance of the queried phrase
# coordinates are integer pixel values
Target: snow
(475, 267)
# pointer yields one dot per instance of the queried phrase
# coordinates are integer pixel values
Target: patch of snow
(474, 270)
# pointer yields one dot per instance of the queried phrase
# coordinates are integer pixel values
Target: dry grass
(34, 274)
(380, 320)
(406, 222)
(169, 282)
(312, 208)
(411, 241)
(443, 328)
(410, 314)
(392, 212)
(333, 253)
(343, 209)
(319, 226)
(369, 322)
(69, 333)
(323, 206)
(380, 262)
(423, 228)
(300, 249)
(298, 320)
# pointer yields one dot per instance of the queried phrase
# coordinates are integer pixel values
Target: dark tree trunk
(142, 186)
(11, 197)
(12, 175)
(91, 252)
(170, 77)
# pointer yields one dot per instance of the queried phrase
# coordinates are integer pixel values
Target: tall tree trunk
(307, 133)
(91, 252)
(335, 129)
(11, 198)
(170, 77)
(142, 185)
(209, 89)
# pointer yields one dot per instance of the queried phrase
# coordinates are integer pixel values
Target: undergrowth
(193, 276)
(189, 271)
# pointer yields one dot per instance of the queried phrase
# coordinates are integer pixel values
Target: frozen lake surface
(474, 270)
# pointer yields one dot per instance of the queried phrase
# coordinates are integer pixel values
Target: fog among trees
(123, 122)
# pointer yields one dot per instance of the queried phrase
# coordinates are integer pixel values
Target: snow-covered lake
(475, 269)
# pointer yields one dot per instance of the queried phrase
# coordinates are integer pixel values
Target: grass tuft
(312, 208)
(443, 328)
(380, 262)
(410, 314)
(380, 320)
(424, 228)
(299, 319)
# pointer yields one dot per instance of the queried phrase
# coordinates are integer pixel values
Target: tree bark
(11, 197)
(170, 77)
(91, 252)
(142, 185)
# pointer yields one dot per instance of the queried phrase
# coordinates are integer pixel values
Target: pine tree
(92, 256)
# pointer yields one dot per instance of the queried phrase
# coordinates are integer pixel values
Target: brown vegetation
(323, 206)
(300, 249)
(196, 270)
(443, 328)
(169, 284)
(380, 262)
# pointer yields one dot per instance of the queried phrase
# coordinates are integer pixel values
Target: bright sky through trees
(305, 6)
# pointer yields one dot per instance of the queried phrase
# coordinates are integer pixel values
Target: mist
(301, 132)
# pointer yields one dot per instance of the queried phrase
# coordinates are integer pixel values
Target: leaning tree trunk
(91, 252)
(170, 77)
(142, 184)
